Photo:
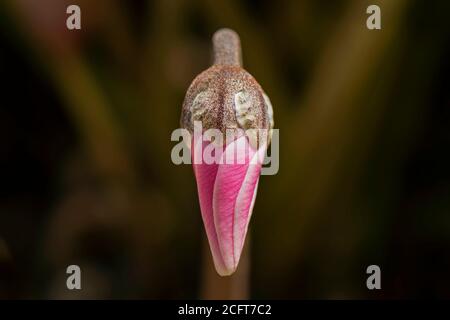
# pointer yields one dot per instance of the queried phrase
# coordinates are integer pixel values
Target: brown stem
(234, 287)
(227, 48)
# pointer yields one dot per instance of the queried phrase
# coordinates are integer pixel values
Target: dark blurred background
(85, 170)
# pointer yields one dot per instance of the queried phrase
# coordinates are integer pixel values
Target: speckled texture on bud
(225, 95)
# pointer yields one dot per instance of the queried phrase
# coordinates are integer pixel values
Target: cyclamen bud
(226, 97)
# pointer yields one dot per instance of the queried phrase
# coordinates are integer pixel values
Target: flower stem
(227, 48)
(234, 287)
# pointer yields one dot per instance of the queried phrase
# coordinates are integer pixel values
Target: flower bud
(227, 98)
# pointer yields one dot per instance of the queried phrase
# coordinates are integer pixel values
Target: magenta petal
(227, 192)
(205, 175)
(234, 192)
(244, 207)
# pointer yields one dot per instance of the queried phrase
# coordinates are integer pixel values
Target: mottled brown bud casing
(226, 96)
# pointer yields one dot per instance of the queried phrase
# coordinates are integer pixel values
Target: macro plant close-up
(224, 149)
(227, 99)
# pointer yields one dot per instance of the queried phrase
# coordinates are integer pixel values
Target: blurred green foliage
(85, 126)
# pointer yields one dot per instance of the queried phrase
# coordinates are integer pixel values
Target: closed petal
(234, 192)
(205, 175)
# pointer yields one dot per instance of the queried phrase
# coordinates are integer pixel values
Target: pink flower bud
(227, 98)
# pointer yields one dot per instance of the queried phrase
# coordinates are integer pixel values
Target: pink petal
(244, 207)
(234, 193)
(227, 193)
(205, 175)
